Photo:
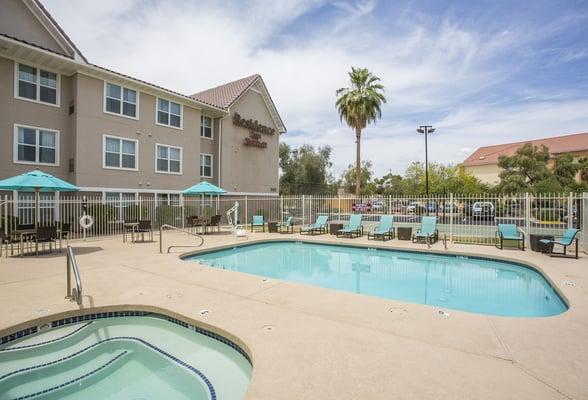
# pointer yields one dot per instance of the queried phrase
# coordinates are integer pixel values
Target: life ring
(86, 221)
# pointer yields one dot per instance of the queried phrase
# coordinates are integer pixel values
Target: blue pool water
(461, 283)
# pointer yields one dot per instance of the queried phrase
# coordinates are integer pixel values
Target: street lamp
(426, 129)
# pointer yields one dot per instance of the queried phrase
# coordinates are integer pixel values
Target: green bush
(104, 216)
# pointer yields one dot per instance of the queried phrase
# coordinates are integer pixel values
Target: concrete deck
(326, 344)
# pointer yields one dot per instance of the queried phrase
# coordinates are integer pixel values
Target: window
(168, 159)
(120, 100)
(36, 84)
(36, 145)
(124, 205)
(169, 113)
(171, 199)
(206, 165)
(120, 153)
(26, 207)
(206, 126)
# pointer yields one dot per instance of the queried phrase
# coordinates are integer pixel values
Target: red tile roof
(557, 145)
(224, 96)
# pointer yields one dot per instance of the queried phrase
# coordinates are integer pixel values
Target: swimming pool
(471, 284)
(121, 355)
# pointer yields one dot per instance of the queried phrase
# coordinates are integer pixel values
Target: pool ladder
(74, 294)
(166, 226)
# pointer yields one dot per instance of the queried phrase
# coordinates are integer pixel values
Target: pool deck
(313, 343)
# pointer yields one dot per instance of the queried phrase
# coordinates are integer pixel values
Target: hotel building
(122, 137)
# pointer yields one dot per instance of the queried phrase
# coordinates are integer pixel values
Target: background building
(483, 163)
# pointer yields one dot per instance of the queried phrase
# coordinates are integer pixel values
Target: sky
(481, 72)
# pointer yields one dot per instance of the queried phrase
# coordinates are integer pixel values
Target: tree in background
(528, 171)
(305, 170)
(443, 179)
(349, 179)
(390, 184)
(359, 105)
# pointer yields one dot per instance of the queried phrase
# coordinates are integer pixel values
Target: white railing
(462, 218)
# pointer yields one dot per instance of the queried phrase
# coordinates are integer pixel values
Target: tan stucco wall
(16, 111)
(485, 173)
(246, 168)
(18, 21)
(210, 146)
(92, 123)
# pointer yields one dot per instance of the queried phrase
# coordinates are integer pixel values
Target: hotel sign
(256, 131)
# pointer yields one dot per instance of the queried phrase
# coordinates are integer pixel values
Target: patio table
(133, 227)
(20, 235)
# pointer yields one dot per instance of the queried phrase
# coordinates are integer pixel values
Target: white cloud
(434, 69)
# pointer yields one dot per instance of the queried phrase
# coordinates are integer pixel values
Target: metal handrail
(72, 264)
(161, 228)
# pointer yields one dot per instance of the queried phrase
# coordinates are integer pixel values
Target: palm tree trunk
(357, 161)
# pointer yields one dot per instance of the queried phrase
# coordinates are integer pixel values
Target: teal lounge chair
(319, 226)
(427, 232)
(287, 225)
(353, 228)
(509, 232)
(566, 240)
(384, 230)
(258, 223)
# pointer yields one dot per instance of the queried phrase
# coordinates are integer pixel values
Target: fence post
(6, 215)
(183, 215)
(527, 219)
(302, 209)
(281, 216)
(246, 211)
(571, 210)
(450, 217)
(584, 227)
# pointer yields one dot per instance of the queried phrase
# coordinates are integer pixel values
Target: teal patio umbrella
(37, 181)
(204, 188)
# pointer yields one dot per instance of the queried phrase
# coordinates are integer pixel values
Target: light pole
(426, 129)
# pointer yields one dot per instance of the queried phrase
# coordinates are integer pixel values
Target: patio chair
(353, 228)
(427, 232)
(6, 240)
(128, 227)
(143, 228)
(510, 232)
(319, 226)
(65, 230)
(45, 234)
(384, 230)
(569, 236)
(288, 225)
(257, 222)
(191, 222)
(213, 222)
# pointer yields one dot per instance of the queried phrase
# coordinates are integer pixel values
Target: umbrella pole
(37, 208)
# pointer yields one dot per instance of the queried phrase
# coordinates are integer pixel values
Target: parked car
(450, 208)
(378, 205)
(415, 207)
(361, 207)
(483, 210)
(432, 207)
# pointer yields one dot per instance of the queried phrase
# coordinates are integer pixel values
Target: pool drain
(443, 313)
(204, 312)
(265, 280)
(268, 328)
(569, 283)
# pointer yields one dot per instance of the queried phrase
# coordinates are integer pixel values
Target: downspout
(220, 140)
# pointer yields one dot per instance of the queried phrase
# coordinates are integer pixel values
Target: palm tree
(360, 105)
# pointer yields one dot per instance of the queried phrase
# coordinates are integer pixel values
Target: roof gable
(224, 96)
(557, 145)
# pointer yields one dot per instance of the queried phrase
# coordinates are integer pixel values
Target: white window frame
(168, 201)
(118, 203)
(211, 165)
(168, 125)
(15, 159)
(122, 88)
(202, 116)
(38, 84)
(104, 137)
(181, 159)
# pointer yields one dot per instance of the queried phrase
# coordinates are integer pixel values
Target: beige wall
(210, 146)
(246, 168)
(485, 173)
(18, 21)
(17, 111)
(92, 123)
